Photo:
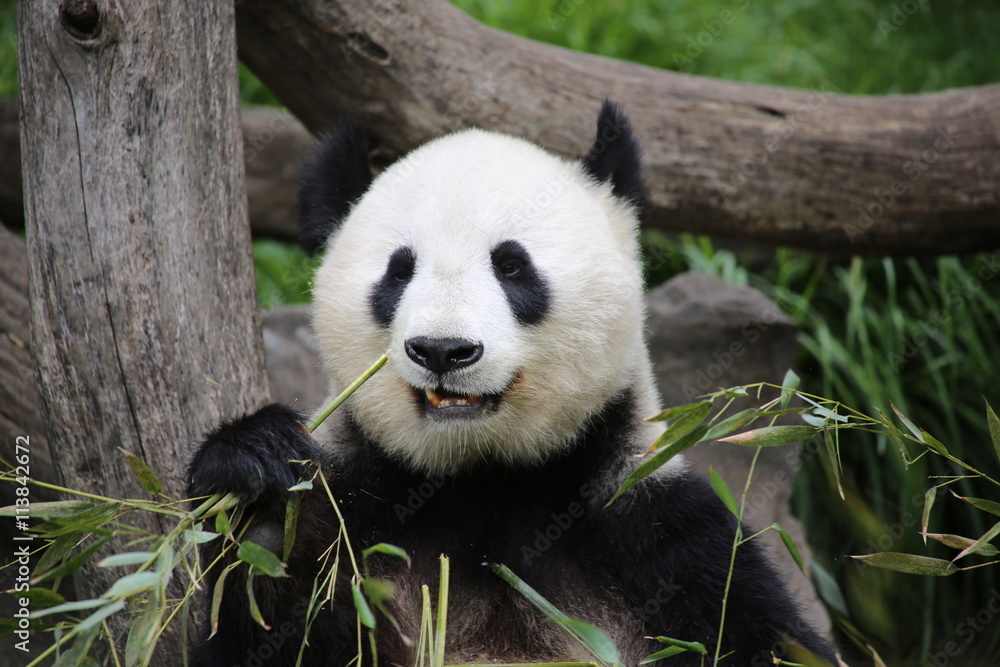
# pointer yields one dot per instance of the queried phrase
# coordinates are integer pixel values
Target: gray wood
(144, 322)
(274, 143)
(819, 160)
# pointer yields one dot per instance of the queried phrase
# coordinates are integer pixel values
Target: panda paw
(251, 457)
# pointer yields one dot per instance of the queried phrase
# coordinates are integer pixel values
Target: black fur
(334, 177)
(615, 156)
(250, 456)
(386, 293)
(526, 290)
(662, 551)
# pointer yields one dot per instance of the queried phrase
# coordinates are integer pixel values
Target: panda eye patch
(386, 293)
(526, 289)
(509, 260)
(401, 265)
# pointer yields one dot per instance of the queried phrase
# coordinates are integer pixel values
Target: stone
(705, 335)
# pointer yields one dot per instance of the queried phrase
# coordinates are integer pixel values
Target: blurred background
(867, 333)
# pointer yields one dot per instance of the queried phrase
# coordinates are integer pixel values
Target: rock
(294, 369)
(706, 335)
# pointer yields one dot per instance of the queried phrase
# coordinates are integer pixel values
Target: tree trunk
(274, 142)
(915, 174)
(144, 322)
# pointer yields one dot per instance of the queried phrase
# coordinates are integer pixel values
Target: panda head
(505, 280)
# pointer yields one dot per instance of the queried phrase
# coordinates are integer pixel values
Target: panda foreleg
(252, 458)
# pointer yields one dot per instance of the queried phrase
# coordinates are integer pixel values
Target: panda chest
(489, 622)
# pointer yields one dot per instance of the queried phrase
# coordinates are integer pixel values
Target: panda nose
(441, 355)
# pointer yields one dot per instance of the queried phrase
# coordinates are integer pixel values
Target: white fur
(452, 201)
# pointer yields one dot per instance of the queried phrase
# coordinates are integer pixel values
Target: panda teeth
(437, 401)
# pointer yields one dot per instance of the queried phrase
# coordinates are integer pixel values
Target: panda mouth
(441, 403)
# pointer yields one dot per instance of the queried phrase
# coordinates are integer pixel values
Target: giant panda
(507, 283)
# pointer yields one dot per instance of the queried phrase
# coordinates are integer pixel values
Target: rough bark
(916, 174)
(144, 324)
(274, 142)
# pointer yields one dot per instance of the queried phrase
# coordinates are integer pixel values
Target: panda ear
(333, 177)
(615, 156)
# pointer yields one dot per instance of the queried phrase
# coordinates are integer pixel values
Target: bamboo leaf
(365, 614)
(990, 506)
(86, 521)
(694, 647)
(683, 425)
(909, 563)
(959, 542)
(291, 524)
(788, 386)
(132, 584)
(99, 615)
(928, 504)
(934, 443)
(680, 410)
(598, 642)
(128, 558)
(906, 422)
(147, 478)
(792, 549)
(39, 597)
(659, 459)
(199, 536)
(388, 549)
(730, 424)
(68, 607)
(833, 455)
(660, 655)
(217, 597)
(994, 424)
(223, 525)
(829, 415)
(57, 509)
(978, 544)
(75, 563)
(722, 490)
(252, 601)
(772, 436)
(595, 638)
(261, 559)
